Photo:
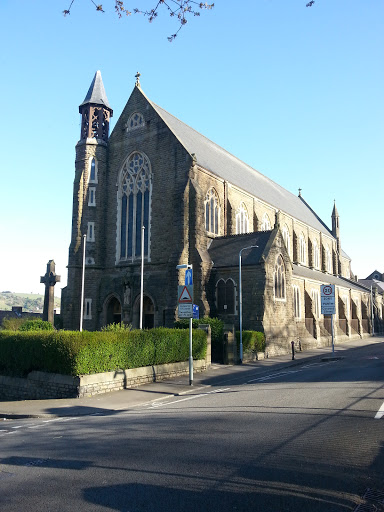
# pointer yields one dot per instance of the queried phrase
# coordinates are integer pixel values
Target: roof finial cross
(300, 189)
(137, 76)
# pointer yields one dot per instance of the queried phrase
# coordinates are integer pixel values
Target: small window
(92, 196)
(136, 120)
(279, 278)
(91, 232)
(93, 171)
(87, 309)
(296, 302)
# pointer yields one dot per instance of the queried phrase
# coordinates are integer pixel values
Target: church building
(156, 187)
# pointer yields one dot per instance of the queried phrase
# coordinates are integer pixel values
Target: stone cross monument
(50, 279)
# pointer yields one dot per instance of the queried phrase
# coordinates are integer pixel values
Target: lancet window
(212, 212)
(242, 220)
(134, 195)
(265, 223)
(296, 301)
(225, 296)
(302, 250)
(279, 278)
(287, 239)
(316, 254)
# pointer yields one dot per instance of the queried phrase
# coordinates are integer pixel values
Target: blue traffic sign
(196, 311)
(188, 276)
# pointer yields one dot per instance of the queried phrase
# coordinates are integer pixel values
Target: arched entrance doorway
(148, 313)
(113, 315)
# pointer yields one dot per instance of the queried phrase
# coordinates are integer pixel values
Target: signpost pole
(186, 298)
(328, 307)
(190, 354)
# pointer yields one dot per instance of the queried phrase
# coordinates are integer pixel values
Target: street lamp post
(142, 277)
(82, 284)
(241, 301)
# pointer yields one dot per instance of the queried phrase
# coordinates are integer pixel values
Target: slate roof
(374, 283)
(224, 250)
(316, 275)
(217, 160)
(96, 93)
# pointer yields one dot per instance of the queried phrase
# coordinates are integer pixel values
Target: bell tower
(88, 200)
(95, 112)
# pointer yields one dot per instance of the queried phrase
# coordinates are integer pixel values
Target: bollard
(293, 350)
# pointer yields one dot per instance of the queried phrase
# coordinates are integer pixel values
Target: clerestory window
(134, 196)
(212, 212)
(287, 238)
(316, 254)
(242, 220)
(302, 250)
(265, 223)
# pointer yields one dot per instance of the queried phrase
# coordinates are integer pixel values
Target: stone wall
(42, 386)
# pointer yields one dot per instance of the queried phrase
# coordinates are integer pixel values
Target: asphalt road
(308, 438)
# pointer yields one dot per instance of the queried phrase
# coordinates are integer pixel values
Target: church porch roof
(224, 251)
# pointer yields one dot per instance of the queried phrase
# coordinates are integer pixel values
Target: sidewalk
(216, 375)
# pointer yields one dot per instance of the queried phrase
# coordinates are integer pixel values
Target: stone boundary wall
(42, 386)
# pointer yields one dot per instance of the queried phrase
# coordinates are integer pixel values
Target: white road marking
(161, 404)
(380, 412)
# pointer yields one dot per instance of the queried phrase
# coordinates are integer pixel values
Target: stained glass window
(135, 198)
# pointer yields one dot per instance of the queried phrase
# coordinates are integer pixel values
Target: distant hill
(30, 302)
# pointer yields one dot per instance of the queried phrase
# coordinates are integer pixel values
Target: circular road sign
(327, 290)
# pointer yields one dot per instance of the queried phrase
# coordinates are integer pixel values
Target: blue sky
(295, 92)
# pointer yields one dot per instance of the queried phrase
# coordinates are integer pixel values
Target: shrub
(36, 325)
(82, 353)
(253, 341)
(12, 323)
(217, 332)
(117, 327)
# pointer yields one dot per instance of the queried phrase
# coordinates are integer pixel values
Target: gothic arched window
(265, 223)
(316, 254)
(328, 260)
(212, 212)
(225, 296)
(93, 171)
(136, 120)
(302, 250)
(287, 238)
(279, 278)
(242, 221)
(296, 301)
(134, 205)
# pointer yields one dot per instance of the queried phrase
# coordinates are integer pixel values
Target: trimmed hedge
(253, 341)
(36, 325)
(217, 333)
(83, 353)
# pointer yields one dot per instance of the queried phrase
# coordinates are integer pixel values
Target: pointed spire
(335, 213)
(96, 93)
